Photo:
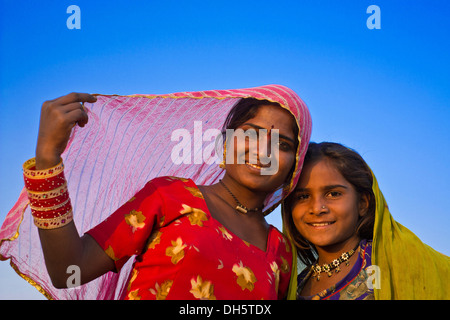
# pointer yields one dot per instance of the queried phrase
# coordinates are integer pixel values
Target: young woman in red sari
(190, 241)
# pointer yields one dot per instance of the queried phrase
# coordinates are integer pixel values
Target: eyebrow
(333, 186)
(279, 134)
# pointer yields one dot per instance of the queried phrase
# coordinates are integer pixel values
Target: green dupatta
(409, 269)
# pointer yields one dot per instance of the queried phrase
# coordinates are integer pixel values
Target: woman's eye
(251, 134)
(284, 146)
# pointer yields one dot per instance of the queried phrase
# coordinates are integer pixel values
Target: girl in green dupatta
(344, 233)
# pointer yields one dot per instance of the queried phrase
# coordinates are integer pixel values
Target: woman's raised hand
(58, 117)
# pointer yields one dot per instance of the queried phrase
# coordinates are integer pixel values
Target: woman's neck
(246, 197)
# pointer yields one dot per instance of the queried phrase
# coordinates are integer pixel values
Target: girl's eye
(301, 197)
(334, 194)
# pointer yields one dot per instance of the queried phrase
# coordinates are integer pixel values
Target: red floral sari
(127, 143)
(183, 253)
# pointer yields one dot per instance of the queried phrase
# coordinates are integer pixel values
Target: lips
(257, 165)
(320, 224)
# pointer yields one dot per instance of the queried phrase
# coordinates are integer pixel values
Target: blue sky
(384, 92)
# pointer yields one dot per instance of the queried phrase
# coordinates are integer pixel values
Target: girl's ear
(363, 205)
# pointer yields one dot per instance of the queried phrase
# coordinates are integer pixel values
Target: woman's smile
(258, 166)
(261, 166)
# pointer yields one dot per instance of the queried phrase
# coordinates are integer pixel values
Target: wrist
(47, 154)
(45, 160)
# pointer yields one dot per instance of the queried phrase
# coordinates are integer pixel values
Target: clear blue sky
(384, 92)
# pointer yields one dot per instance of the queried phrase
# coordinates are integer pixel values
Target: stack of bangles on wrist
(49, 198)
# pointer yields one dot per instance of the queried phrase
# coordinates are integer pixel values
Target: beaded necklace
(239, 207)
(328, 267)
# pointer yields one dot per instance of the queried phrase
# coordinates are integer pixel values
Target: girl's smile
(327, 207)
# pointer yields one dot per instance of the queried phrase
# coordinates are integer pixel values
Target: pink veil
(127, 142)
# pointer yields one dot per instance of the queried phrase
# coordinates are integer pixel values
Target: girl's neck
(328, 253)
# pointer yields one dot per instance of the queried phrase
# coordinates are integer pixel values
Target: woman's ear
(363, 205)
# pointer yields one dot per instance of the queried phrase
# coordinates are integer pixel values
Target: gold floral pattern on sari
(285, 267)
(216, 263)
(246, 243)
(287, 244)
(226, 235)
(196, 216)
(133, 277)
(276, 274)
(202, 289)
(154, 240)
(162, 291)
(162, 220)
(135, 219)
(176, 251)
(172, 178)
(134, 295)
(195, 192)
(245, 276)
(110, 252)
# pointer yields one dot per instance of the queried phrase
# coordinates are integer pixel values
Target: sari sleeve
(125, 232)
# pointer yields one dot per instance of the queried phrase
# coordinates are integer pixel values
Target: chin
(260, 183)
(320, 242)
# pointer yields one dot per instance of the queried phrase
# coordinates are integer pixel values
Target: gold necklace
(239, 208)
(327, 267)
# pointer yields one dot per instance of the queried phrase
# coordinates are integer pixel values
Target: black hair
(356, 171)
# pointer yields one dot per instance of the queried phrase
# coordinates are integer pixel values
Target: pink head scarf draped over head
(126, 143)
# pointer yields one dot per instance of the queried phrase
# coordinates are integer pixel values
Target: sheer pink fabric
(126, 143)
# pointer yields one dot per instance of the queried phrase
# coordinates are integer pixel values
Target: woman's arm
(63, 247)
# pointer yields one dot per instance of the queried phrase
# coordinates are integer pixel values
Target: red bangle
(53, 223)
(41, 208)
(49, 198)
(44, 204)
(29, 170)
(53, 213)
(43, 180)
(42, 195)
(46, 184)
